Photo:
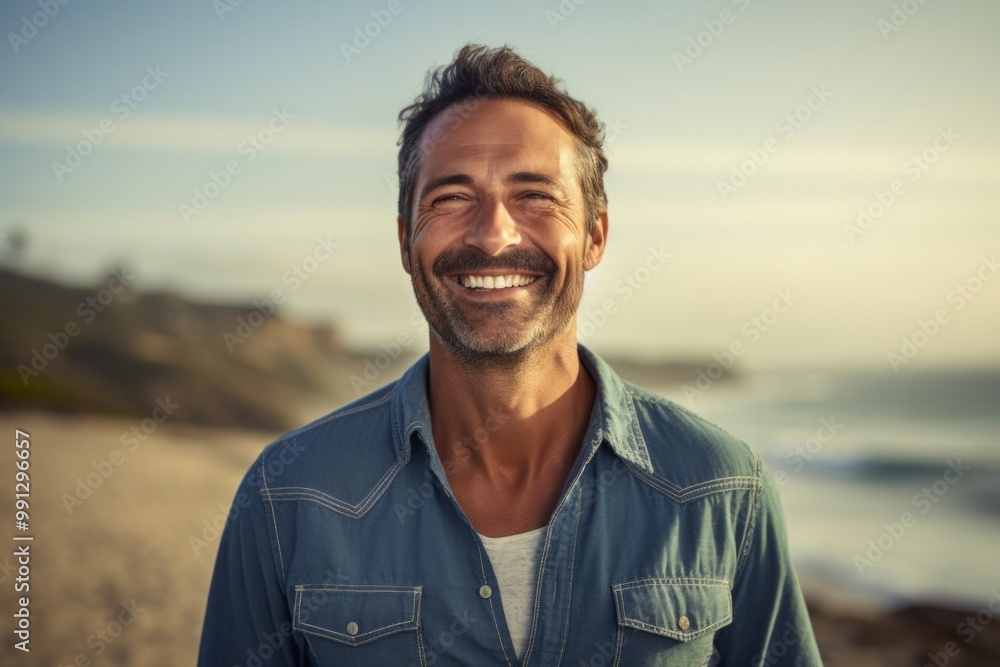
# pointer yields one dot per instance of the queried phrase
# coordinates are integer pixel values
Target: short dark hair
(480, 73)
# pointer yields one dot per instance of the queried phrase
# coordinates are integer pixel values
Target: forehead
(484, 138)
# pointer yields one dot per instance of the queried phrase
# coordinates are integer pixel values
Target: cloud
(199, 134)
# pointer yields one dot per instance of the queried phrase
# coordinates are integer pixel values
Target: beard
(502, 333)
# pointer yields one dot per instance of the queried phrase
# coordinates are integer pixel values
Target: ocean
(890, 482)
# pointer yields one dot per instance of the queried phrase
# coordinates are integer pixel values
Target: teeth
(495, 282)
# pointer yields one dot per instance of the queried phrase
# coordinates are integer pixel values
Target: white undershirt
(515, 561)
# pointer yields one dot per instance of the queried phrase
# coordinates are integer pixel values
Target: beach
(124, 546)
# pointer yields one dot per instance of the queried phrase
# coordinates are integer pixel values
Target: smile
(495, 282)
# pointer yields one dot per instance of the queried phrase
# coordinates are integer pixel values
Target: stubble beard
(496, 335)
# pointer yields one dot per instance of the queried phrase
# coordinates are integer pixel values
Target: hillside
(109, 350)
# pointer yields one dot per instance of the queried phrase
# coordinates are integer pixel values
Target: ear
(597, 241)
(404, 242)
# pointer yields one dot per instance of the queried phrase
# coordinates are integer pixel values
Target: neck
(510, 421)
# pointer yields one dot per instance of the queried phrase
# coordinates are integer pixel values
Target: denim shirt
(345, 546)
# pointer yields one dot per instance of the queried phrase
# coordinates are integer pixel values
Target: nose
(493, 229)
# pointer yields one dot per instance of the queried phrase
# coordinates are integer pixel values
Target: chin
(486, 348)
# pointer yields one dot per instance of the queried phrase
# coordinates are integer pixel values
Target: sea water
(890, 482)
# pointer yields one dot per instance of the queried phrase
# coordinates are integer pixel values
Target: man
(509, 500)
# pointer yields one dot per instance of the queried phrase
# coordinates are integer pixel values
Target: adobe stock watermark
(99, 641)
(593, 494)
(439, 645)
(593, 320)
(968, 629)
(704, 39)
(248, 149)
(800, 455)
(294, 276)
(131, 440)
(561, 12)
(603, 653)
(608, 478)
(37, 21)
(612, 132)
(365, 34)
(389, 352)
(88, 310)
(437, 134)
(223, 7)
(926, 330)
(899, 17)
(915, 167)
(752, 330)
(777, 650)
(271, 642)
(212, 528)
(924, 501)
(122, 107)
(786, 127)
(462, 450)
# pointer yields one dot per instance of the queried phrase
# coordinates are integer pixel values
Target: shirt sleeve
(770, 624)
(247, 620)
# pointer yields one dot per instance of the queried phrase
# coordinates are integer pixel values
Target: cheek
(424, 247)
(433, 234)
(572, 255)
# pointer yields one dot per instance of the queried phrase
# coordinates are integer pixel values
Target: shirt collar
(613, 419)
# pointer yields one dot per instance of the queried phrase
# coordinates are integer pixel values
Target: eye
(537, 195)
(538, 202)
(450, 199)
(449, 203)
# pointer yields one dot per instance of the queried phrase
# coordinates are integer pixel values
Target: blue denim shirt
(345, 546)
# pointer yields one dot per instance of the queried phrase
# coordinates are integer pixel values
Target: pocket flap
(682, 609)
(355, 614)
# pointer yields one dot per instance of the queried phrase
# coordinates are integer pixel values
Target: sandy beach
(124, 547)
(123, 553)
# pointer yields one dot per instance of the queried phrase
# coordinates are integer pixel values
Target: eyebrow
(441, 181)
(531, 177)
(465, 179)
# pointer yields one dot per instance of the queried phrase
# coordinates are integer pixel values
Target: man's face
(498, 245)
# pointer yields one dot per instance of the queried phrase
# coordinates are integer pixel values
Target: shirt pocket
(360, 624)
(670, 621)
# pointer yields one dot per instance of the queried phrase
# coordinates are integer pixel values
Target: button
(352, 628)
(485, 591)
(683, 623)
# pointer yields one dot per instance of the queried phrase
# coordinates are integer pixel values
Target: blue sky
(880, 94)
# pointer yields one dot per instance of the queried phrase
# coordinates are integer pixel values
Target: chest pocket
(670, 621)
(360, 624)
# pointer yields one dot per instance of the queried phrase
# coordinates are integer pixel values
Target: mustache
(515, 260)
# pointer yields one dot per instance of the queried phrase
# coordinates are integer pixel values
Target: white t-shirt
(515, 561)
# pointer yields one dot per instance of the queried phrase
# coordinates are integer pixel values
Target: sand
(117, 580)
(123, 555)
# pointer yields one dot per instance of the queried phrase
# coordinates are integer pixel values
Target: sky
(815, 182)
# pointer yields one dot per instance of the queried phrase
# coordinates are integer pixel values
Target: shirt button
(683, 623)
(352, 628)
(485, 591)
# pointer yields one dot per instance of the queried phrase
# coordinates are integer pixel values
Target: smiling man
(510, 500)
